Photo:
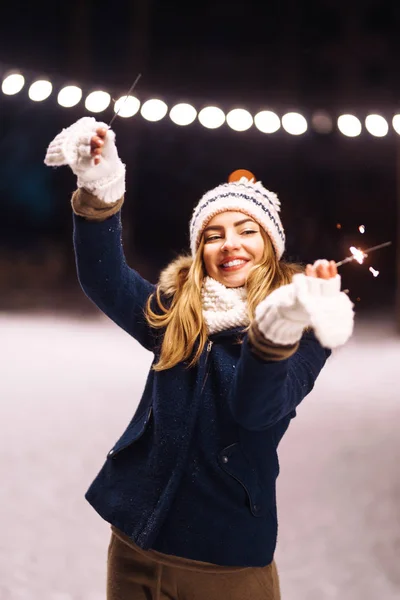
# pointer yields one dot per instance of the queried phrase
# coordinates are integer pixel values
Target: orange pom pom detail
(239, 173)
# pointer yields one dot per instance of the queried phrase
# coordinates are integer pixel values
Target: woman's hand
(97, 143)
(88, 147)
(323, 269)
(314, 300)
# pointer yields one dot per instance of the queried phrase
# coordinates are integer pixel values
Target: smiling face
(233, 244)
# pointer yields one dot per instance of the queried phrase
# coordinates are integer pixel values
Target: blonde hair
(185, 330)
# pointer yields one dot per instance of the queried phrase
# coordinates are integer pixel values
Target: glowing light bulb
(294, 123)
(69, 96)
(349, 125)
(12, 84)
(97, 101)
(40, 90)
(211, 117)
(183, 114)
(154, 110)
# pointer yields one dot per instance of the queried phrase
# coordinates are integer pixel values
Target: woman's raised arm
(88, 147)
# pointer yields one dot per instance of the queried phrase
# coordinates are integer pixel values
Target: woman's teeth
(233, 263)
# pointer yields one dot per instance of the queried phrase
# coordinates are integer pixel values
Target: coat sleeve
(265, 391)
(116, 289)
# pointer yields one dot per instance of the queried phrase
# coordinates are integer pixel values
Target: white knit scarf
(223, 308)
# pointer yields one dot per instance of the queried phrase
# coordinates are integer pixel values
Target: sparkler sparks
(361, 229)
(374, 272)
(359, 255)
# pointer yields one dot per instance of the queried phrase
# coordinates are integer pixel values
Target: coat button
(256, 508)
(225, 459)
(111, 453)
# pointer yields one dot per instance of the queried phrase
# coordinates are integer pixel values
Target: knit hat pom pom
(239, 173)
(244, 176)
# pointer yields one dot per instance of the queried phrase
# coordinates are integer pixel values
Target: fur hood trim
(171, 275)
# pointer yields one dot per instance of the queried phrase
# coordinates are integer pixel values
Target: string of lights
(183, 114)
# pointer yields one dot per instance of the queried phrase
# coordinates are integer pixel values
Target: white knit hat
(244, 194)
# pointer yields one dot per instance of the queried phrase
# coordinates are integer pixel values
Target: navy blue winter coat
(194, 473)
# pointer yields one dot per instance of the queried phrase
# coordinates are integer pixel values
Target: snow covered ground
(69, 386)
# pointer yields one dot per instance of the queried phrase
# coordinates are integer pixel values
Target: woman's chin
(233, 280)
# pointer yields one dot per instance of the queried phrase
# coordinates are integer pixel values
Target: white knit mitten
(72, 147)
(307, 302)
(330, 310)
(280, 317)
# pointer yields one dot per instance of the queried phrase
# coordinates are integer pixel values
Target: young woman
(239, 338)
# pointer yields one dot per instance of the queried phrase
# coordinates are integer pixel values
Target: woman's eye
(213, 238)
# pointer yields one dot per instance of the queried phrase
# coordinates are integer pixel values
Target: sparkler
(126, 98)
(97, 158)
(360, 255)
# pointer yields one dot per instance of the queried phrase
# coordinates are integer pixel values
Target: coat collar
(228, 333)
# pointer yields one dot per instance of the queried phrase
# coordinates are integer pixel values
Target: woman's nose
(230, 242)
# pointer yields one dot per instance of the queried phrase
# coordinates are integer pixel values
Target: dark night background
(282, 55)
